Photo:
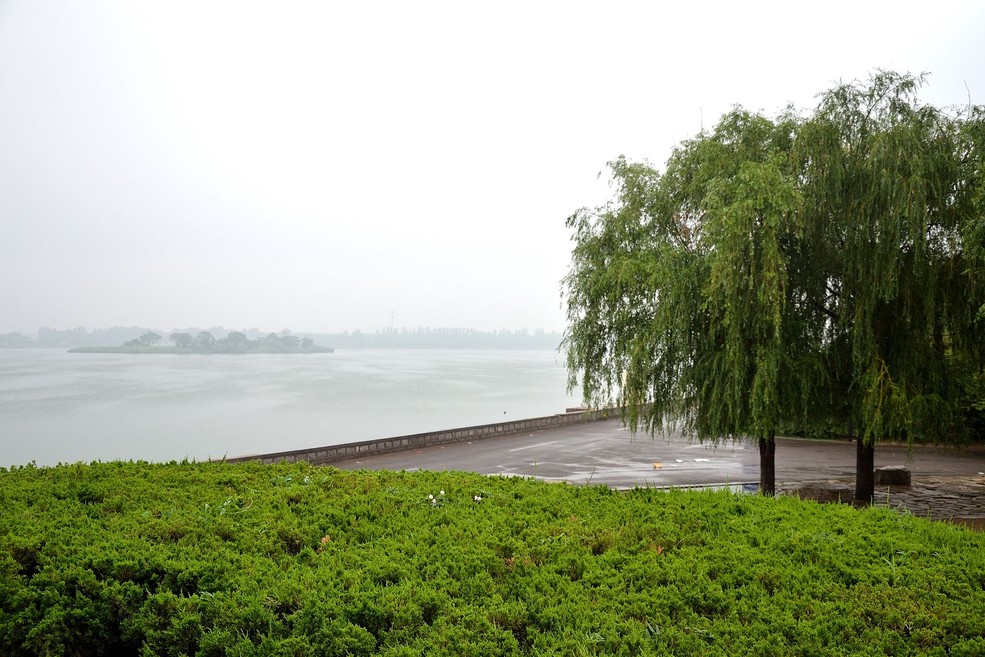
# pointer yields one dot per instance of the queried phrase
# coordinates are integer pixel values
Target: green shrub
(218, 559)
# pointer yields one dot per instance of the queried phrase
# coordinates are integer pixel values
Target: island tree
(204, 339)
(149, 339)
(237, 340)
(794, 270)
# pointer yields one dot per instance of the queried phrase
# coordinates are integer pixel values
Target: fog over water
(59, 407)
(336, 166)
(356, 166)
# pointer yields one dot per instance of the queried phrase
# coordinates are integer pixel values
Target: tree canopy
(791, 269)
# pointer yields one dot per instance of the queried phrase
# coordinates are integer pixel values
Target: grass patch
(243, 559)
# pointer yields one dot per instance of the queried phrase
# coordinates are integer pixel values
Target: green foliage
(893, 187)
(803, 271)
(222, 559)
(680, 296)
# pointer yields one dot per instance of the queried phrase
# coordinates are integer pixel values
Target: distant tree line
(391, 338)
(442, 338)
(75, 337)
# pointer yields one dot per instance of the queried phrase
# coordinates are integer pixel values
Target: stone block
(823, 492)
(893, 475)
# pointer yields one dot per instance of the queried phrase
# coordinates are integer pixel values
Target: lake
(60, 407)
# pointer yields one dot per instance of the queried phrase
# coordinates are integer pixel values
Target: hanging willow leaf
(818, 269)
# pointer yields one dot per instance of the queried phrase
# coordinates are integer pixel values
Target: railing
(333, 453)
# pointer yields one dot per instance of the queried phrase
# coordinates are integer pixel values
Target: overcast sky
(326, 166)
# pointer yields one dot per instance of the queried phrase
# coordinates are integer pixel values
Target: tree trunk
(865, 479)
(767, 465)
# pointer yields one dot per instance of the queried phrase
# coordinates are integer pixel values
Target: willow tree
(889, 187)
(973, 241)
(828, 267)
(680, 300)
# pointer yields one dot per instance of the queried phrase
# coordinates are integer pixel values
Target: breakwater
(332, 453)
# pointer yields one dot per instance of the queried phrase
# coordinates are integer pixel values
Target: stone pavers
(958, 499)
(955, 499)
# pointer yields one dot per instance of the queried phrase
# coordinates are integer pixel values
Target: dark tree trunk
(865, 480)
(767, 465)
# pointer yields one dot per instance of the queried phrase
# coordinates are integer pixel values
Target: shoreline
(198, 351)
(331, 453)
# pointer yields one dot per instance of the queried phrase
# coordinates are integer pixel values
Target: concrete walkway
(607, 453)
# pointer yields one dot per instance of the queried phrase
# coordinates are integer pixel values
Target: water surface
(60, 407)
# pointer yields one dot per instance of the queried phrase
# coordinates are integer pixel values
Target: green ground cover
(223, 559)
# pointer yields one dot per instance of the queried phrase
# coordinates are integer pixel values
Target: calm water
(60, 407)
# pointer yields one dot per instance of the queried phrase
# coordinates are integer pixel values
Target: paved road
(606, 453)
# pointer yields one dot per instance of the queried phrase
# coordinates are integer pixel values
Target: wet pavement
(946, 483)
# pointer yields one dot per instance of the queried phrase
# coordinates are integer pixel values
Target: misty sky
(321, 165)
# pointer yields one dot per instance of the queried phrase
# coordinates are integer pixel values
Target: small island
(205, 343)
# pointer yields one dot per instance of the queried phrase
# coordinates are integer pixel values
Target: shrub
(222, 559)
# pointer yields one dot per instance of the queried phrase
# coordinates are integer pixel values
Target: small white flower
(477, 498)
(430, 497)
(441, 492)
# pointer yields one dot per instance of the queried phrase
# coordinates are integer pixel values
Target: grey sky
(319, 165)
